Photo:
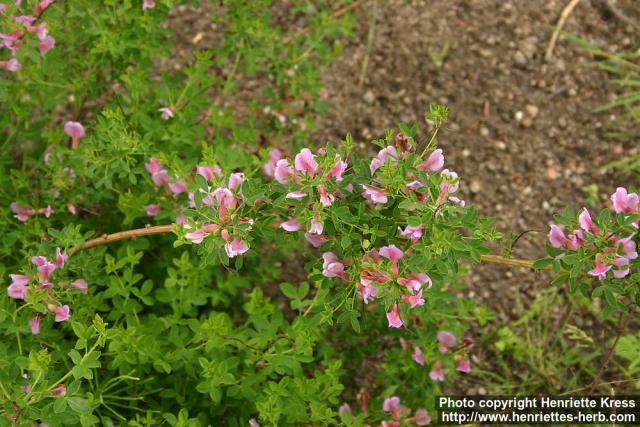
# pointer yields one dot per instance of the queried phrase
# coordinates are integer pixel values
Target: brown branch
(513, 262)
(105, 239)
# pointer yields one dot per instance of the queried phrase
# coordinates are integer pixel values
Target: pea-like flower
(332, 266)
(434, 162)
(393, 317)
(305, 162)
(446, 341)
(76, 131)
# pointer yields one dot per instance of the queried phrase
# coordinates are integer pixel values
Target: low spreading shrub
(169, 260)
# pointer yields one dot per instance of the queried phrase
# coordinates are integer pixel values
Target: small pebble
(369, 97)
(532, 110)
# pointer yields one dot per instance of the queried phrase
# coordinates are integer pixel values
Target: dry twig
(556, 32)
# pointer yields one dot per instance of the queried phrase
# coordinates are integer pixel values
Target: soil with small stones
(522, 133)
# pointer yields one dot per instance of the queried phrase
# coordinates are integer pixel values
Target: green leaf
(78, 404)
(542, 263)
(288, 290)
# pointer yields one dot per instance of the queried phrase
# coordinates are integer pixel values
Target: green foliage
(227, 318)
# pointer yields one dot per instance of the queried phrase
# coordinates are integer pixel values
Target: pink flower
(40, 30)
(620, 262)
(18, 287)
(148, 4)
(624, 202)
(414, 282)
(197, 236)
(60, 390)
(418, 356)
(178, 187)
(291, 225)
(316, 225)
(437, 374)
(446, 340)
(226, 200)
(45, 268)
(332, 267)
(153, 166)
(305, 162)
(387, 153)
(392, 404)
(457, 201)
(270, 167)
(62, 313)
(236, 180)
(46, 44)
(76, 131)
(414, 185)
(80, 284)
(26, 20)
(326, 199)
(414, 300)
(316, 241)
(42, 6)
(626, 247)
(158, 174)
(558, 239)
(166, 113)
(296, 195)
(47, 212)
(236, 247)
(61, 258)
(34, 324)
(463, 365)
(367, 292)
(338, 169)
(205, 172)
(22, 213)
(434, 162)
(600, 269)
(421, 418)
(452, 177)
(391, 252)
(344, 409)
(586, 223)
(11, 65)
(373, 194)
(394, 317)
(283, 171)
(153, 209)
(413, 233)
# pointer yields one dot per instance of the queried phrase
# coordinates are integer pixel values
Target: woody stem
(168, 228)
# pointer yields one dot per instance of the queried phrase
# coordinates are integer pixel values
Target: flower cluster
(400, 415)
(611, 252)
(173, 189)
(38, 288)
(13, 40)
(219, 198)
(317, 183)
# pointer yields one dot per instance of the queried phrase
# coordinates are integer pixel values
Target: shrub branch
(105, 239)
